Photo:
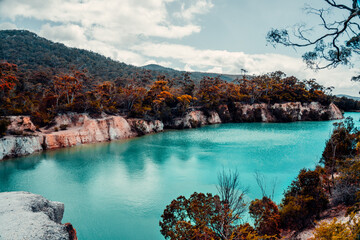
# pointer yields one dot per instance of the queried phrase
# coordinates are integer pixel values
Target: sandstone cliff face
(195, 119)
(285, 112)
(83, 129)
(28, 216)
(70, 130)
(142, 127)
(73, 129)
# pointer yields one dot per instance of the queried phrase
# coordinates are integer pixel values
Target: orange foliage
(8, 79)
(266, 215)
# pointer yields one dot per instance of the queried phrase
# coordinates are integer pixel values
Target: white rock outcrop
(195, 119)
(142, 127)
(285, 112)
(15, 146)
(27, 216)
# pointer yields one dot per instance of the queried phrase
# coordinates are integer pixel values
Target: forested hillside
(33, 53)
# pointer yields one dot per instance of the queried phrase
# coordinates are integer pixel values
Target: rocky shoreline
(25, 215)
(74, 129)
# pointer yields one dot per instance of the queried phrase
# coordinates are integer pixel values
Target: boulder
(20, 125)
(28, 216)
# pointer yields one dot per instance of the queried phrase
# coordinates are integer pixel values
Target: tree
(303, 201)
(184, 103)
(336, 39)
(266, 215)
(8, 79)
(264, 211)
(341, 145)
(204, 216)
(67, 86)
(211, 92)
(232, 199)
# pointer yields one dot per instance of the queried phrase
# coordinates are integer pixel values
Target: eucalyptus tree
(334, 40)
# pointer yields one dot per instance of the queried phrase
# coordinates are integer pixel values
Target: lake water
(119, 190)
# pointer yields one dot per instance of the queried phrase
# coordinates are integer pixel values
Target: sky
(221, 36)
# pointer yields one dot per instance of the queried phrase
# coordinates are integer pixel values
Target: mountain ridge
(33, 53)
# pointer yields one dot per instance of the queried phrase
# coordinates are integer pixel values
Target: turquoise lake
(119, 190)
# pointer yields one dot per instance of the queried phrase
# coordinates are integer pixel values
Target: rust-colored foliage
(266, 215)
(8, 78)
(303, 201)
(138, 95)
(341, 145)
(67, 87)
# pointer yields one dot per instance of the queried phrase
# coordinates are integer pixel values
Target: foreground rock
(73, 129)
(27, 216)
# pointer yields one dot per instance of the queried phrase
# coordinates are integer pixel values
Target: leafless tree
(263, 185)
(232, 193)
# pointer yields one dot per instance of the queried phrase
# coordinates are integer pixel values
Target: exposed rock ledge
(73, 129)
(27, 216)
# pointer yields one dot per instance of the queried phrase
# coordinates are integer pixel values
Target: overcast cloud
(139, 32)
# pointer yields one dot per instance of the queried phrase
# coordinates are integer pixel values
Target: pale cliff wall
(81, 128)
(16, 146)
(28, 216)
(284, 112)
(195, 119)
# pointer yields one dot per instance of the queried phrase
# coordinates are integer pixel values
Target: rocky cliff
(283, 112)
(28, 216)
(73, 129)
(16, 146)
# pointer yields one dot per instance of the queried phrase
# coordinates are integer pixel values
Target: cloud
(195, 8)
(127, 17)
(7, 26)
(232, 62)
(67, 33)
